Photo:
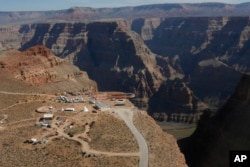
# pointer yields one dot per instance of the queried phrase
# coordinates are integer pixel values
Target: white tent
(85, 109)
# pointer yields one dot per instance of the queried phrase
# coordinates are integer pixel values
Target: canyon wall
(217, 134)
(174, 101)
(38, 66)
(208, 54)
(212, 52)
(118, 59)
(114, 56)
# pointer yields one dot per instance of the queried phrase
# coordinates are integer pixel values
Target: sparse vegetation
(158, 143)
(76, 129)
(112, 134)
(110, 140)
(103, 161)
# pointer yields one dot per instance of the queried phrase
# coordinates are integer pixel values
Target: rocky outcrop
(213, 82)
(174, 101)
(38, 66)
(203, 46)
(146, 27)
(114, 56)
(226, 130)
(64, 39)
(117, 58)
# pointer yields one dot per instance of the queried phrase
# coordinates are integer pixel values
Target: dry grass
(76, 129)
(22, 112)
(108, 133)
(60, 153)
(12, 85)
(111, 134)
(104, 161)
(7, 100)
(163, 149)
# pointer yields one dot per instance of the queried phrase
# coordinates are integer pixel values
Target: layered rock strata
(38, 66)
(174, 101)
(114, 56)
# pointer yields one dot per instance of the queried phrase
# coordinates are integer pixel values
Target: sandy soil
(99, 138)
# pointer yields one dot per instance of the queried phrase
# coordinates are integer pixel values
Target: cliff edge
(226, 130)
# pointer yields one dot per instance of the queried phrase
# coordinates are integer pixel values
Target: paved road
(127, 115)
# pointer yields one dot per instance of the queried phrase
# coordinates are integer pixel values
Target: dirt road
(85, 145)
(26, 94)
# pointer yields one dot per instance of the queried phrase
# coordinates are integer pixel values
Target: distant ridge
(87, 14)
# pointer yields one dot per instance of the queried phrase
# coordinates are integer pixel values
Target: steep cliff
(29, 80)
(203, 46)
(226, 130)
(174, 101)
(9, 37)
(117, 58)
(38, 66)
(114, 56)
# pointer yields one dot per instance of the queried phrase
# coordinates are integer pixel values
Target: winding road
(127, 115)
(84, 144)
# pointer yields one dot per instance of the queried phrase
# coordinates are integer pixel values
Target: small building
(92, 101)
(46, 123)
(69, 109)
(48, 116)
(46, 120)
(102, 106)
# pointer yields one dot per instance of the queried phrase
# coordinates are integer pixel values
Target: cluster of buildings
(65, 99)
(48, 118)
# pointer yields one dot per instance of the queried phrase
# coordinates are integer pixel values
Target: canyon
(186, 63)
(222, 132)
(143, 55)
(33, 80)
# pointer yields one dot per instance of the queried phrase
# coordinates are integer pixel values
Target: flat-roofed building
(69, 109)
(48, 116)
(102, 106)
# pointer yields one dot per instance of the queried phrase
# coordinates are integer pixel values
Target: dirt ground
(107, 133)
